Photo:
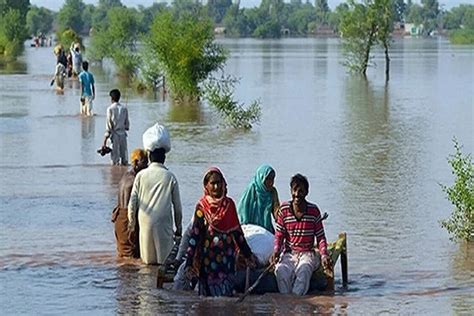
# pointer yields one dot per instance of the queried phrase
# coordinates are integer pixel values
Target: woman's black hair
(208, 176)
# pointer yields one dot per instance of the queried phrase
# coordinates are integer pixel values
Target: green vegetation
(117, 40)
(364, 25)
(461, 194)
(39, 20)
(12, 27)
(68, 37)
(69, 16)
(220, 94)
(186, 51)
(462, 37)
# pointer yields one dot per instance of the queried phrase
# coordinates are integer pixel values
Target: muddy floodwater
(374, 154)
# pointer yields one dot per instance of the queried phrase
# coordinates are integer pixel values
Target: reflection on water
(374, 154)
(462, 262)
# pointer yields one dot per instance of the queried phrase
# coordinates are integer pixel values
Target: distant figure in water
(59, 75)
(87, 90)
(128, 243)
(76, 58)
(116, 127)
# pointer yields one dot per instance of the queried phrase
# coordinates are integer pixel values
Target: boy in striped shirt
(297, 224)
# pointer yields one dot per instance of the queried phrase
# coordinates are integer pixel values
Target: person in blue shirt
(87, 89)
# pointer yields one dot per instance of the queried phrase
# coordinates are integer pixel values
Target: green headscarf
(256, 204)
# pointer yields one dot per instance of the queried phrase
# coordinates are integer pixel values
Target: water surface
(374, 153)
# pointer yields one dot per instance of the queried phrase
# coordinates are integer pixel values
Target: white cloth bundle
(155, 137)
(260, 242)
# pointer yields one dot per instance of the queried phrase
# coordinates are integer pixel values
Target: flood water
(374, 154)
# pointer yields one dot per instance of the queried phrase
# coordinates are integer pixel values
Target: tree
(364, 25)
(21, 5)
(322, 11)
(216, 9)
(383, 16)
(39, 20)
(335, 17)
(182, 8)
(99, 18)
(118, 40)
(87, 17)
(415, 14)
(148, 13)
(399, 8)
(70, 16)
(461, 195)
(301, 18)
(186, 51)
(430, 11)
(13, 30)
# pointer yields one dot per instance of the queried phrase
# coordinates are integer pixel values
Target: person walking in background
(259, 202)
(298, 223)
(87, 90)
(116, 127)
(155, 194)
(128, 245)
(59, 76)
(76, 57)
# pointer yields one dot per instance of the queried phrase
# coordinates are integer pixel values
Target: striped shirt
(298, 234)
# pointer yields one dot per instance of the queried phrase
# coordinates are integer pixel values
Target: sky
(57, 4)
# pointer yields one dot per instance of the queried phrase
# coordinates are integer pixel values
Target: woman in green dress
(259, 202)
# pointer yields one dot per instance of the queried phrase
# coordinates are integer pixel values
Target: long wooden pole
(344, 262)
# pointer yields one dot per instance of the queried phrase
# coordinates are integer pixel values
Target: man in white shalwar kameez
(155, 194)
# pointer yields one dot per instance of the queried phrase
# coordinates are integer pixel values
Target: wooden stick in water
(254, 285)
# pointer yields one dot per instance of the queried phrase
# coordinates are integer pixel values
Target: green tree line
(298, 17)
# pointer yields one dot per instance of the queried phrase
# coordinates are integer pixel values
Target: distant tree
(468, 18)
(70, 16)
(415, 14)
(301, 19)
(363, 26)
(118, 40)
(87, 17)
(39, 20)
(399, 8)
(383, 15)
(335, 17)
(12, 33)
(99, 18)
(182, 8)
(236, 22)
(322, 11)
(186, 50)
(216, 9)
(13, 29)
(21, 5)
(147, 15)
(430, 11)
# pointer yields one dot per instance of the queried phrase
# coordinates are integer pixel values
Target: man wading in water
(117, 125)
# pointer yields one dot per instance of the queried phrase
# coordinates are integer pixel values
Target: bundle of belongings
(156, 137)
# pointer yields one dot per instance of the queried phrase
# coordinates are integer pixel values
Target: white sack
(155, 137)
(260, 242)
